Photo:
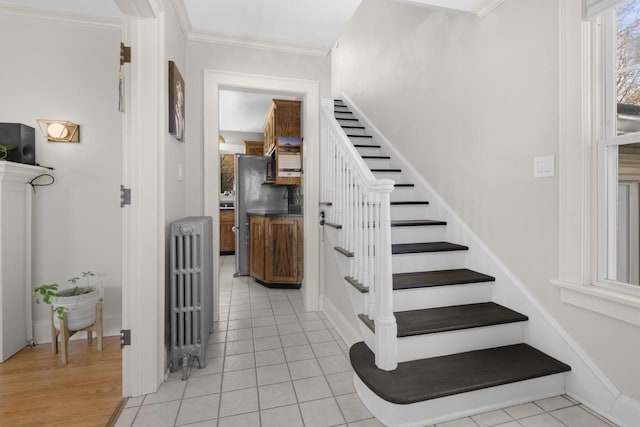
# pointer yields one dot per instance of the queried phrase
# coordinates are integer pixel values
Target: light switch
(180, 172)
(544, 166)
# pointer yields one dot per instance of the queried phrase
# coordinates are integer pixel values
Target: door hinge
(125, 54)
(125, 196)
(125, 337)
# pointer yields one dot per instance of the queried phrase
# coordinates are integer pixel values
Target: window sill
(613, 303)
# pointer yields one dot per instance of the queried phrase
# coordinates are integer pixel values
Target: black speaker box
(22, 137)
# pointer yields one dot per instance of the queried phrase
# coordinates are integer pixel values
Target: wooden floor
(36, 389)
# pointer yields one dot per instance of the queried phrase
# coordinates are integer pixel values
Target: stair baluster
(361, 206)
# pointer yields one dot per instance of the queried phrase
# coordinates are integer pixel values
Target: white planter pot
(80, 309)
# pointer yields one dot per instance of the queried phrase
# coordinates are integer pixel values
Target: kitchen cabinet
(282, 141)
(256, 247)
(254, 148)
(276, 250)
(227, 236)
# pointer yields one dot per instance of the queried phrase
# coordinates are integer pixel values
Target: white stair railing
(360, 205)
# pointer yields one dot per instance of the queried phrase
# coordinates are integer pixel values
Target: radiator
(191, 263)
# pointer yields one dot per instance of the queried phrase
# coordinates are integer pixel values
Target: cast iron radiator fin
(191, 259)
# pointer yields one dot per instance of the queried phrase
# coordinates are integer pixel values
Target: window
(619, 151)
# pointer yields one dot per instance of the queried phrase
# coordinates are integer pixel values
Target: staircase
(457, 351)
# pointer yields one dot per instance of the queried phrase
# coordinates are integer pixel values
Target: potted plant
(79, 302)
(4, 150)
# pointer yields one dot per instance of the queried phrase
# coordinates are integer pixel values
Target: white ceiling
(303, 26)
(313, 23)
(245, 111)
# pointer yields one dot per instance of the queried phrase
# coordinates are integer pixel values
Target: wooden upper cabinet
(283, 119)
(254, 148)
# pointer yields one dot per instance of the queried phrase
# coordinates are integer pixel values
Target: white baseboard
(624, 411)
(42, 329)
(348, 333)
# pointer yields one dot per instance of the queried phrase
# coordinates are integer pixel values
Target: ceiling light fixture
(59, 130)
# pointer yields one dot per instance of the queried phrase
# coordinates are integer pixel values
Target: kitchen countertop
(264, 212)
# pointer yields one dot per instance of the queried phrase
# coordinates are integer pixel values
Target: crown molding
(57, 15)
(277, 46)
(183, 16)
(478, 7)
(484, 7)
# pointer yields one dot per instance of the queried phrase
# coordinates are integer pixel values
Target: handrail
(360, 203)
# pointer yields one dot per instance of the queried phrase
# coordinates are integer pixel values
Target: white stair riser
(369, 151)
(358, 299)
(460, 405)
(443, 343)
(395, 176)
(378, 163)
(354, 131)
(341, 115)
(403, 194)
(441, 296)
(402, 212)
(428, 261)
(348, 122)
(416, 234)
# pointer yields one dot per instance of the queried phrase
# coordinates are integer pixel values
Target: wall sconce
(221, 139)
(59, 130)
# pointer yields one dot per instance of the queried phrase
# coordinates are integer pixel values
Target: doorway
(308, 91)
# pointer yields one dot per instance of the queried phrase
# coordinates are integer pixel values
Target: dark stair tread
(404, 185)
(452, 318)
(409, 202)
(343, 251)
(423, 279)
(349, 119)
(416, 223)
(386, 170)
(426, 379)
(342, 112)
(366, 146)
(351, 127)
(360, 136)
(377, 157)
(412, 248)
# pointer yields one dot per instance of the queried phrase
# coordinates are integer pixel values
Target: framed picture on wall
(176, 102)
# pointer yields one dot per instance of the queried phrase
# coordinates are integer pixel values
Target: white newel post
(385, 322)
(15, 256)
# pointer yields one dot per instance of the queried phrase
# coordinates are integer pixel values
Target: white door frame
(143, 222)
(310, 92)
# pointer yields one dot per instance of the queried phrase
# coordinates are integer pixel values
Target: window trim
(581, 103)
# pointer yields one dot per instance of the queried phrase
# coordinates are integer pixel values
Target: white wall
(234, 141)
(471, 101)
(60, 70)
(174, 150)
(202, 56)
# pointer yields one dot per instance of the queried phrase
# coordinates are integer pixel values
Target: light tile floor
(272, 364)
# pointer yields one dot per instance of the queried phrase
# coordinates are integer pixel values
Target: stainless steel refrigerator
(252, 194)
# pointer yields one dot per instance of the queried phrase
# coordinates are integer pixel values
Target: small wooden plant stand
(65, 333)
